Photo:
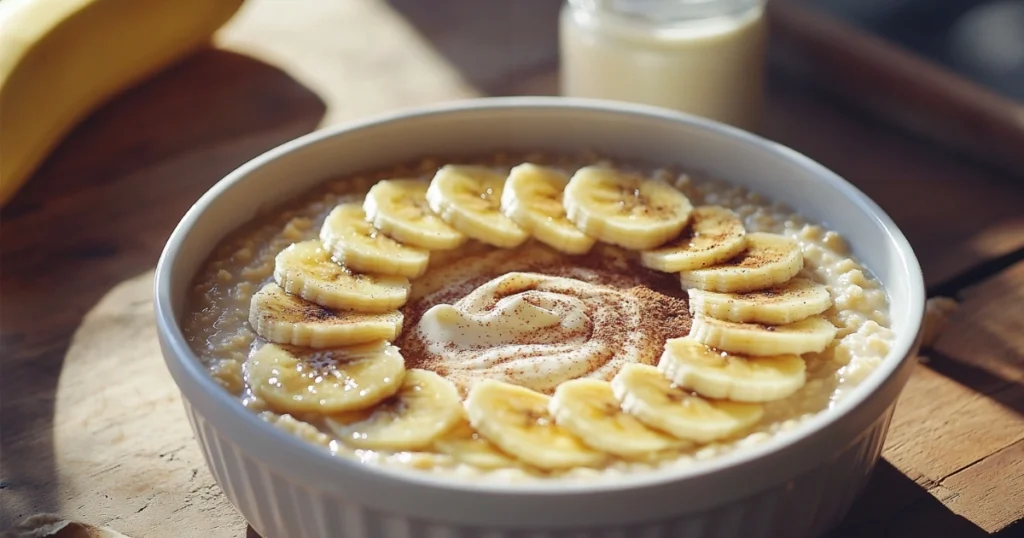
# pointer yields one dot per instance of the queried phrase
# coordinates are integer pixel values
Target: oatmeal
(565, 317)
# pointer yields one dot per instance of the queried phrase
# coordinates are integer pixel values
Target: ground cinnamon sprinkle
(665, 316)
(641, 309)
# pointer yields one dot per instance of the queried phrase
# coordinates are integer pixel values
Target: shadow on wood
(1009, 393)
(894, 506)
(99, 211)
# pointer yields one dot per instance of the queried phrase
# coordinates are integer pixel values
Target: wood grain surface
(92, 425)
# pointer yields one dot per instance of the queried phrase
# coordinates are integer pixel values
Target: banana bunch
(332, 311)
(62, 59)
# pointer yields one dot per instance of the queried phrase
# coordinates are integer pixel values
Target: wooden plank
(983, 348)
(983, 345)
(960, 420)
(941, 426)
(989, 492)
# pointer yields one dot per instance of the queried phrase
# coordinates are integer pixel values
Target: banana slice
(297, 380)
(516, 419)
(426, 406)
(533, 199)
(355, 243)
(467, 446)
(587, 408)
(398, 207)
(625, 209)
(789, 302)
(647, 395)
(283, 318)
(808, 335)
(469, 198)
(717, 374)
(714, 235)
(307, 270)
(768, 260)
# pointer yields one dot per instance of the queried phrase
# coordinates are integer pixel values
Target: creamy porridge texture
(571, 317)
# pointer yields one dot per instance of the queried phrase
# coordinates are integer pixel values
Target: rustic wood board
(92, 425)
(984, 348)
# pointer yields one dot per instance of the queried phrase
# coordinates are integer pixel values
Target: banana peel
(62, 59)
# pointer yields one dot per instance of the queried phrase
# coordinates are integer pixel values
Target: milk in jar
(704, 57)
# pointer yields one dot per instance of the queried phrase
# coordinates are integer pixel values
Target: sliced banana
(425, 406)
(808, 335)
(714, 235)
(587, 408)
(307, 270)
(398, 207)
(283, 318)
(768, 260)
(646, 394)
(785, 303)
(355, 243)
(533, 199)
(718, 374)
(469, 198)
(465, 445)
(625, 209)
(297, 380)
(517, 420)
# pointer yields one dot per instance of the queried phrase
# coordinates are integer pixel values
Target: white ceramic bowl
(795, 485)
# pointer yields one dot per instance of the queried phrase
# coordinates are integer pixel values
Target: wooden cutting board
(92, 423)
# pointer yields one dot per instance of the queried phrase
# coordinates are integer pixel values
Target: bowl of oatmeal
(538, 315)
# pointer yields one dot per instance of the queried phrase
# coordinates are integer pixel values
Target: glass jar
(704, 57)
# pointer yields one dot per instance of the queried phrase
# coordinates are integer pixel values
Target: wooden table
(92, 425)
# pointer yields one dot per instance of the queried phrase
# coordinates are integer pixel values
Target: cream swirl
(538, 331)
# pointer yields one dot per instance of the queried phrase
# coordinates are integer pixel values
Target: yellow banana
(61, 59)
